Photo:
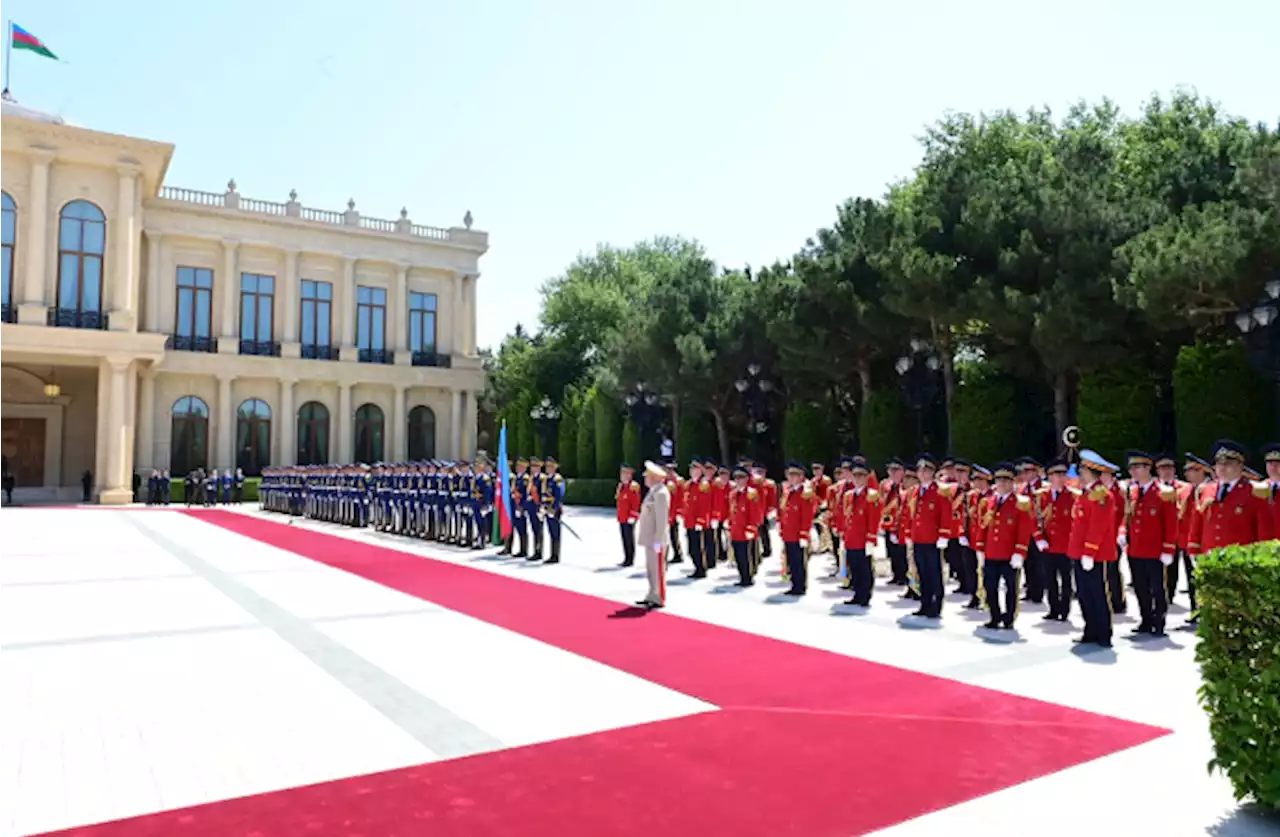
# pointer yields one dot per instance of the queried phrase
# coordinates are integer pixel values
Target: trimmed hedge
(806, 435)
(1239, 657)
(884, 428)
(608, 436)
(567, 443)
(178, 490)
(586, 436)
(696, 436)
(984, 415)
(1216, 394)
(632, 449)
(1119, 409)
(590, 492)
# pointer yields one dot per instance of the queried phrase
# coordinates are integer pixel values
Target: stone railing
(232, 199)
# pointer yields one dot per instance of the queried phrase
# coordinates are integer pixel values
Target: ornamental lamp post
(918, 374)
(755, 400)
(644, 408)
(546, 417)
(1260, 325)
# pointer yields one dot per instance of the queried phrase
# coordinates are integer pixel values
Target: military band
(1017, 531)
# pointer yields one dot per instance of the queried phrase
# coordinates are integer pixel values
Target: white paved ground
(150, 661)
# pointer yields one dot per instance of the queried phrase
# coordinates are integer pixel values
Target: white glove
(964, 540)
(697, 528)
(1042, 545)
(804, 541)
(1086, 564)
(982, 556)
(910, 542)
(752, 537)
(1121, 541)
(1166, 559)
(893, 538)
(942, 543)
(1016, 562)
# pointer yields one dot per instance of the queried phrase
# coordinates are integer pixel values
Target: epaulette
(1261, 490)
(1074, 491)
(704, 486)
(808, 492)
(946, 489)
(872, 494)
(751, 493)
(559, 478)
(1024, 502)
(1099, 494)
(1168, 493)
(635, 486)
(1044, 489)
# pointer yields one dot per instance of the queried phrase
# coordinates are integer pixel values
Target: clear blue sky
(564, 123)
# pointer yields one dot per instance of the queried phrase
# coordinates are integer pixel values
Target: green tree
(1120, 409)
(586, 436)
(985, 416)
(1218, 394)
(631, 449)
(608, 435)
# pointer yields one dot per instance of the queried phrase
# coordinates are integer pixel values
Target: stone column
(400, 433)
(117, 489)
(400, 315)
(146, 453)
(455, 426)
(124, 310)
(228, 288)
(347, 310)
(152, 320)
(469, 345)
(226, 413)
(35, 216)
(287, 421)
(289, 298)
(458, 316)
(469, 422)
(344, 425)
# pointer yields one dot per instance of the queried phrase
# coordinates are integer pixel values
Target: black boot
(555, 553)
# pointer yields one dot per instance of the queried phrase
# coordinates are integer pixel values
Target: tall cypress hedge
(1217, 394)
(1119, 409)
(586, 436)
(567, 441)
(608, 425)
(631, 447)
(696, 436)
(806, 434)
(884, 427)
(985, 424)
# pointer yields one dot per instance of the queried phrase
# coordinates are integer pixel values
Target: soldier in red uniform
(1005, 528)
(1092, 545)
(1055, 503)
(746, 510)
(694, 507)
(717, 513)
(769, 498)
(1271, 455)
(1030, 480)
(860, 516)
(626, 500)
(1167, 474)
(1198, 473)
(835, 512)
(1115, 581)
(795, 517)
(910, 484)
(675, 486)
(821, 484)
(965, 560)
(1149, 535)
(979, 491)
(931, 516)
(1232, 510)
(891, 493)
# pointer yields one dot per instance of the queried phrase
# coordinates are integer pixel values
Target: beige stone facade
(147, 326)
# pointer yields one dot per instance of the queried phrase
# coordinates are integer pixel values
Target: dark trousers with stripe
(694, 538)
(797, 566)
(628, 532)
(1148, 586)
(743, 556)
(897, 561)
(1095, 604)
(995, 570)
(929, 566)
(861, 579)
(1057, 577)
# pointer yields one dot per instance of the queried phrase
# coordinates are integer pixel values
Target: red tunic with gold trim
(1241, 516)
(1006, 527)
(745, 513)
(627, 500)
(860, 514)
(1151, 520)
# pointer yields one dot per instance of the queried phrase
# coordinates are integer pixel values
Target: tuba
(1071, 441)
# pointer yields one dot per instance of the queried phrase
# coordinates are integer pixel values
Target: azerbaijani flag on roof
(22, 39)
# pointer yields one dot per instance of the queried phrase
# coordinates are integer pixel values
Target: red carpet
(808, 743)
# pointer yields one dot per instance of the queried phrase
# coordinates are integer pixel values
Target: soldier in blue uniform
(518, 529)
(533, 506)
(431, 500)
(476, 491)
(552, 497)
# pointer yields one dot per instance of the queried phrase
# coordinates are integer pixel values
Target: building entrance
(23, 441)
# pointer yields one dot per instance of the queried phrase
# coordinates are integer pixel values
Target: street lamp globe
(1264, 314)
(741, 385)
(933, 363)
(1244, 321)
(766, 385)
(651, 399)
(631, 399)
(753, 369)
(1273, 288)
(917, 345)
(903, 364)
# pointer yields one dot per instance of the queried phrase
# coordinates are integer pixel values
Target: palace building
(148, 326)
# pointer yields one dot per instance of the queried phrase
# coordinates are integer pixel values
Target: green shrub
(632, 452)
(586, 436)
(984, 415)
(1216, 393)
(806, 435)
(696, 436)
(568, 438)
(1119, 409)
(884, 427)
(590, 492)
(178, 490)
(608, 436)
(1239, 657)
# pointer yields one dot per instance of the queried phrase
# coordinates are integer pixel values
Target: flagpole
(8, 52)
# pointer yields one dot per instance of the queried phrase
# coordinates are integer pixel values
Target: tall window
(193, 319)
(253, 436)
(371, 323)
(422, 323)
(82, 237)
(317, 318)
(313, 434)
(188, 436)
(369, 426)
(10, 231)
(257, 304)
(422, 433)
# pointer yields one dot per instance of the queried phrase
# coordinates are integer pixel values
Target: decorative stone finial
(404, 212)
(293, 194)
(466, 219)
(351, 204)
(231, 185)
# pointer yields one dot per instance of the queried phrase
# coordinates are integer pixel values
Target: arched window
(313, 434)
(369, 427)
(253, 437)
(422, 433)
(82, 238)
(10, 237)
(188, 436)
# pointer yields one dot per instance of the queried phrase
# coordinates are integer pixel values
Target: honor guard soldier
(1149, 535)
(707, 487)
(1197, 473)
(626, 501)
(745, 511)
(821, 484)
(1115, 581)
(892, 492)
(1095, 522)
(1271, 455)
(675, 491)
(1055, 507)
(720, 511)
(860, 517)
(967, 559)
(482, 495)
(1232, 510)
(951, 554)
(835, 514)
(519, 530)
(769, 499)
(1167, 474)
(1030, 480)
(910, 483)
(533, 506)
(552, 495)
(694, 503)
(931, 515)
(979, 491)
(796, 509)
(1005, 530)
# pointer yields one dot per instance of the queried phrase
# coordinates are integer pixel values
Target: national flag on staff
(502, 520)
(20, 38)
